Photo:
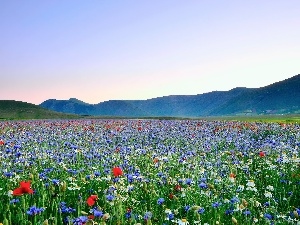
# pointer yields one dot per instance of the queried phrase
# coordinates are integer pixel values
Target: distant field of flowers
(149, 172)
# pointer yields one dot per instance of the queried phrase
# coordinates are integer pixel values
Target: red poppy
(91, 217)
(177, 187)
(232, 175)
(262, 154)
(23, 189)
(1, 142)
(117, 171)
(171, 195)
(92, 200)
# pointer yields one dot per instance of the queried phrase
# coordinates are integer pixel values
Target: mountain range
(282, 97)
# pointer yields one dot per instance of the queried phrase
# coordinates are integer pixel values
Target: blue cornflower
(137, 173)
(97, 173)
(268, 216)
(188, 181)
(65, 209)
(229, 212)
(33, 210)
(43, 176)
(160, 174)
(55, 181)
(80, 220)
(160, 201)
(130, 178)
(107, 171)
(147, 215)
(234, 200)
(116, 179)
(247, 212)
(203, 179)
(128, 215)
(267, 204)
(187, 208)
(8, 174)
(97, 213)
(110, 197)
(216, 204)
(14, 200)
(201, 210)
(203, 185)
(171, 216)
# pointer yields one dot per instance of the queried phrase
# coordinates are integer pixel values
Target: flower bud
(234, 221)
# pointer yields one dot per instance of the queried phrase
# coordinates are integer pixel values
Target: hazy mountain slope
(72, 105)
(10, 109)
(280, 97)
(118, 108)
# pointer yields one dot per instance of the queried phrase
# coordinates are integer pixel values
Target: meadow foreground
(149, 172)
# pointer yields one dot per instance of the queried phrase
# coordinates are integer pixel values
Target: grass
(172, 171)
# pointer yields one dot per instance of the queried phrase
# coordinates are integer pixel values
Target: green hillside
(17, 110)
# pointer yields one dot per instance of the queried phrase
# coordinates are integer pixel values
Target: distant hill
(10, 109)
(279, 98)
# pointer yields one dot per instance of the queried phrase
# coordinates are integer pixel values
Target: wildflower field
(149, 172)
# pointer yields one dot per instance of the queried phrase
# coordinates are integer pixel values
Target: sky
(99, 50)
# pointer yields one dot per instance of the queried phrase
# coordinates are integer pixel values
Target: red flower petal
(117, 171)
(18, 191)
(177, 187)
(232, 175)
(91, 200)
(91, 217)
(28, 191)
(24, 188)
(25, 184)
(262, 154)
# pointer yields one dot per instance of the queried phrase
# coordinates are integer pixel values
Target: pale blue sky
(140, 49)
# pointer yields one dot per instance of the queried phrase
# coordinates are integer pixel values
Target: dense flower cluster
(149, 172)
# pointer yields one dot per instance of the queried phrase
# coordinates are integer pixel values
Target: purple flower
(268, 216)
(247, 212)
(201, 211)
(97, 213)
(160, 201)
(216, 204)
(187, 208)
(171, 216)
(80, 220)
(203, 185)
(188, 181)
(147, 215)
(33, 210)
(110, 197)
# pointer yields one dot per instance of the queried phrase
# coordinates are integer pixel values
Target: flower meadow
(149, 172)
